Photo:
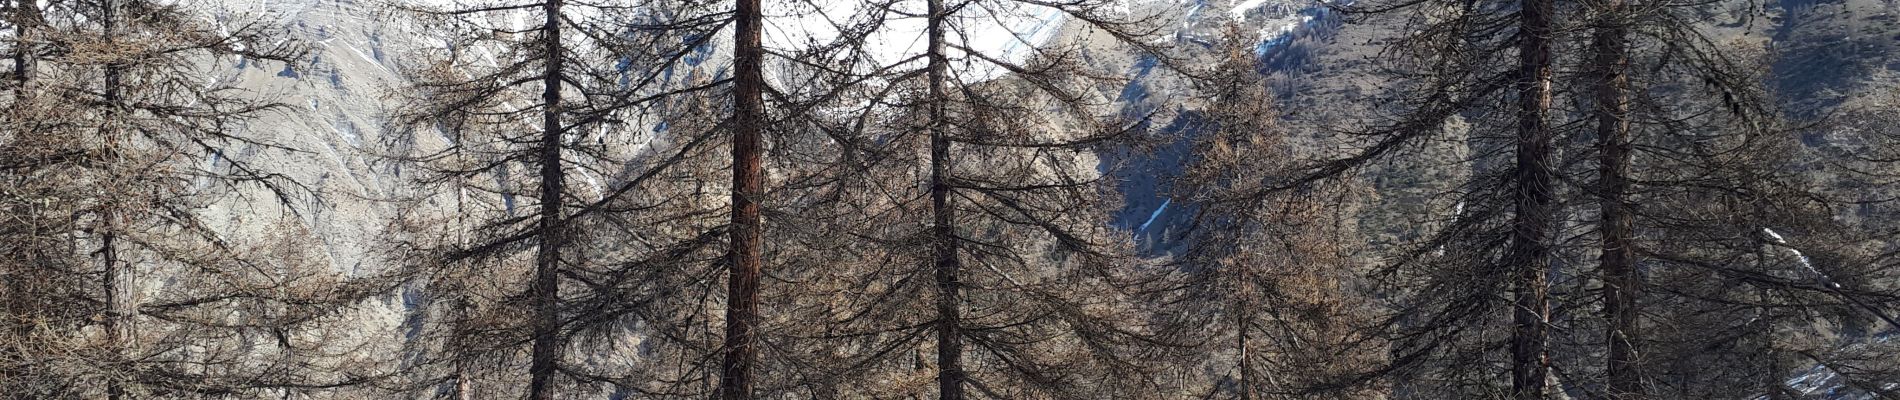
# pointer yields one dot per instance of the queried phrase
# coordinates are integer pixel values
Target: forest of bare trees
(939, 199)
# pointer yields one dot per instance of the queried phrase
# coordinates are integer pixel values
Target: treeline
(913, 199)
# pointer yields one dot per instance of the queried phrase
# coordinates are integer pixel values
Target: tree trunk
(950, 374)
(748, 186)
(546, 291)
(1530, 247)
(1621, 285)
(118, 278)
(1246, 362)
(464, 389)
(26, 15)
(116, 287)
(458, 308)
(21, 305)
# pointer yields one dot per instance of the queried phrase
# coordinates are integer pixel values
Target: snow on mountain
(1004, 31)
(1158, 223)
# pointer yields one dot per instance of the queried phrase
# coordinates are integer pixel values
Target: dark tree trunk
(26, 15)
(118, 278)
(1246, 355)
(1530, 247)
(950, 375)
(546, 293)
(1621, 285)
(116, 287)
(748, 186)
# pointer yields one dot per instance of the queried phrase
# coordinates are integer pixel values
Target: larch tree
(983, 259)
(1534, 211)
(1692, 176)
(1270, 272)
(740, 349)
(1617, 264)
(1490, 62)
(620, 226)
(148, 286)
(1725, 226)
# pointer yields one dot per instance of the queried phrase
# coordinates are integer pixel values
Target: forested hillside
(949, 199)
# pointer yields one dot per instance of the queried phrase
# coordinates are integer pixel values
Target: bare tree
(1271, 274)
(124, 126)
(748, 189)
(1620, 284)
(619, 225)
(980, 159)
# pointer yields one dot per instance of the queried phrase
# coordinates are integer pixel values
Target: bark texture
(1533, 178)
(748, 185)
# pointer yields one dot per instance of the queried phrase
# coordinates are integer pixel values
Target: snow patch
(993, 29)
(1155, 215)
(1803, 257)
(1240, 10)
